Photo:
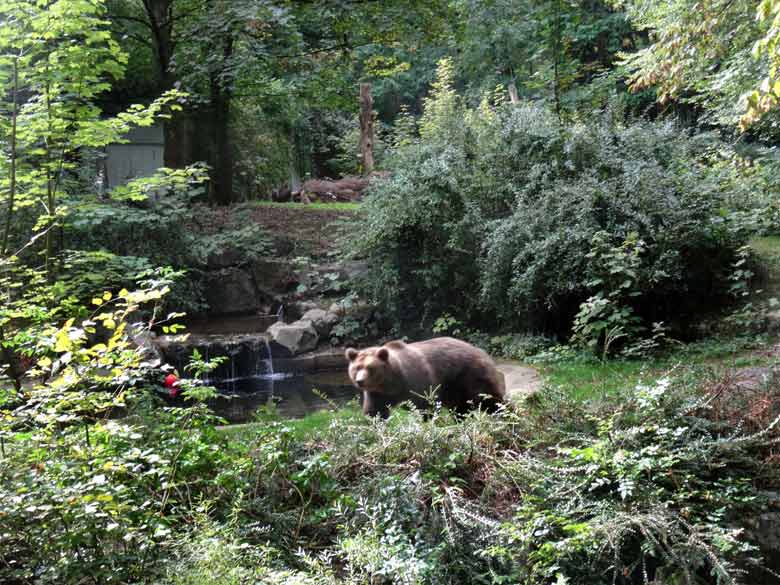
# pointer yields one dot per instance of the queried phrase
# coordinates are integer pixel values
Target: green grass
(586, 379)
(302, 428)
(580, 378)
(592, 380)
(767, 247)
(339, 206)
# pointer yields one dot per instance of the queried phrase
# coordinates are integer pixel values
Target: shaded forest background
(588, 186)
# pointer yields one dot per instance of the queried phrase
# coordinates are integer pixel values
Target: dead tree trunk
(513, 97)
(366, 128)
(295, 173)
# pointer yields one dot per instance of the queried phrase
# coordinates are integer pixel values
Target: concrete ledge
(520, 381)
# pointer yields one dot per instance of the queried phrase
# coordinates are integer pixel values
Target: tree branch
(135, 19)
(138, 38)
(337, 47)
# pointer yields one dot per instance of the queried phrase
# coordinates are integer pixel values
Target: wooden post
(366, 128)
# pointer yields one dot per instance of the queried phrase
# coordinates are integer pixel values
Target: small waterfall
(268, 372)
(270, 359)
(232, 358)
(250, 377)
(270, 362)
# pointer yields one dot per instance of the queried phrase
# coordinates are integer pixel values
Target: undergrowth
(649, 487)
(100, 481)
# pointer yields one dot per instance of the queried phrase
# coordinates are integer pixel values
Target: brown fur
(462, 376)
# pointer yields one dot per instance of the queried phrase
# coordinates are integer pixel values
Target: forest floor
(297, 229)
(745, 367)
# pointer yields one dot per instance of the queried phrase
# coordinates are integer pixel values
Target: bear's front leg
(376, 404)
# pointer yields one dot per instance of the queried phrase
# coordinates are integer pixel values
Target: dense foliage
(96, 473)
(534, 197)
(646, 487)
(721, 56)
(500, 213)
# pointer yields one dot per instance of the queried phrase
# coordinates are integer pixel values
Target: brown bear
(462, 376)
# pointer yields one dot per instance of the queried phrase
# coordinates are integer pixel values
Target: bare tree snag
(366, 128)
(513, 97)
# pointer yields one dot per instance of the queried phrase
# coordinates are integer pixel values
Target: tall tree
(202, 46)
(720, 55)
(220, 51)
(56, 59)
(545, 48)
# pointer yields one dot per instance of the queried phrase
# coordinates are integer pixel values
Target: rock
(296, 337)
(230, 290)
(273, 276)
(283, 194)
(773, 322)
(332, 278)
(295, 311)
(330, 360)
(224, 258)
(359, 310)
(323, 321)
(337, 309)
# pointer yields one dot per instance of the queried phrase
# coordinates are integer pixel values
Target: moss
(310, 206)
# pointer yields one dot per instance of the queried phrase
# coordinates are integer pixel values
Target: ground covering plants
(649, 483)
(96, 475)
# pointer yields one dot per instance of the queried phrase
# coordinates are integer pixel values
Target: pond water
(294, 395)
(252, 375)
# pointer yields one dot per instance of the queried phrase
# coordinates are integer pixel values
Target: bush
(100, 480)
(98, 477)
(492, 212)
(154, 221)
(652, 487)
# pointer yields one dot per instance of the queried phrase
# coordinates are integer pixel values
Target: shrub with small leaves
(505, 218)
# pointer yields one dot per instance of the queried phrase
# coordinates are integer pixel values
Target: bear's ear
(351, 354)
(383, 354)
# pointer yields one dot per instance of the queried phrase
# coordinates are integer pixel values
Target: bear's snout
(361, 378)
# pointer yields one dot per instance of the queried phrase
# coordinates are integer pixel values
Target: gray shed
(140, 157)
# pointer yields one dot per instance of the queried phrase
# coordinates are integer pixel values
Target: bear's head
(369, 369)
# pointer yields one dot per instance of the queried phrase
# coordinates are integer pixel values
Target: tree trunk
(178, 131)
(12, 170)
(14, 371)
(296, 184)
(366, 128)
(556, 60)
(221, 160)
(222, 157)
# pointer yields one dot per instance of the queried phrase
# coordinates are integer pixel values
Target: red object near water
(170, 383)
